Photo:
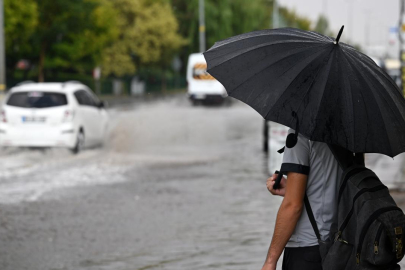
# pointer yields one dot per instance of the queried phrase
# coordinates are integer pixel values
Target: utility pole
(401, 33)
(202, 25)
(275, 15)
(2, 51)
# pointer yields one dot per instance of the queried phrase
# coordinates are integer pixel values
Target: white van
(201, 85)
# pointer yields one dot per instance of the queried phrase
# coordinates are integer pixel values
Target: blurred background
(118, 149)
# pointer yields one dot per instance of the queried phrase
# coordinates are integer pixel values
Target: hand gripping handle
(278, 180)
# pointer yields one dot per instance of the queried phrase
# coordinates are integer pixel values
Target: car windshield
(37, 99)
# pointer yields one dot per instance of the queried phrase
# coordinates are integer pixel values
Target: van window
(37, 99)
(200, 72)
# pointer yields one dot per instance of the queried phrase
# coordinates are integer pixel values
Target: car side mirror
(102, 104)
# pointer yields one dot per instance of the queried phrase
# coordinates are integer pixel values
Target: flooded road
(174, 187)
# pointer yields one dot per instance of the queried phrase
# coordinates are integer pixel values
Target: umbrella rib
(264, 70)
(354, 68)
(394, 110)
(372, 70)
(287, 86)
(267, 44)
(367, 82)
(312, 34)
(323, 94)
(310, 87)
(309, 34)
(368, 58)
(348, 95)
(267, 114)
(267, 32)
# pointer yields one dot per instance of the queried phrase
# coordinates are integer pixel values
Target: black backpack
(368, 231)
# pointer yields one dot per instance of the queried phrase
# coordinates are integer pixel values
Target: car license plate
(30, 119)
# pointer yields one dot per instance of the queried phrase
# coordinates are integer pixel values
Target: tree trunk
(41, 75)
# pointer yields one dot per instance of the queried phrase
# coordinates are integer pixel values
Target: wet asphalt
(174, 187)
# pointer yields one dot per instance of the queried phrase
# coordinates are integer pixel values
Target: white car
(52, 115)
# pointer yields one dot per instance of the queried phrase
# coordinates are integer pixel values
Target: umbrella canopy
(336, 93)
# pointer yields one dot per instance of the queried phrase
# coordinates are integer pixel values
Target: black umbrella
(329, 90)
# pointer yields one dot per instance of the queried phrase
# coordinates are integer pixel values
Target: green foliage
(233, 17)
(127, 36)
(249, 16)
(71, 34)
(94, 30)
(290, 18)
(21, 20)
(223, 19)
(186, 13)
(322, 26)
(147, 36)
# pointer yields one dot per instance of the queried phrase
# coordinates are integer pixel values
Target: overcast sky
(372, 16)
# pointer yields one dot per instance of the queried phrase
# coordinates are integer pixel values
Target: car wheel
(79, 143)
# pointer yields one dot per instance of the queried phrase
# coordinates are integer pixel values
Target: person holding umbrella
(332, 96)
(311, 168)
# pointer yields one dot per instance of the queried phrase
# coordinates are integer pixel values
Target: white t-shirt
(317, 161)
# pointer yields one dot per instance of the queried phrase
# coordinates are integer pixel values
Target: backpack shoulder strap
(359, 177)
(311, 217)
(346, 160)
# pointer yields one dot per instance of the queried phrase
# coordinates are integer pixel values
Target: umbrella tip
(338, 36)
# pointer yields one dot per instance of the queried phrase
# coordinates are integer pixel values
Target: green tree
(290, 18)
(223, 19)
(186, 13)
(233, 17)
(227, 18)
(147, 36)
(21, 20)
(71, 34)
(249, 16)
(322, 25)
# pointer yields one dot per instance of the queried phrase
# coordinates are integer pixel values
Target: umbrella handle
(278, 180)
